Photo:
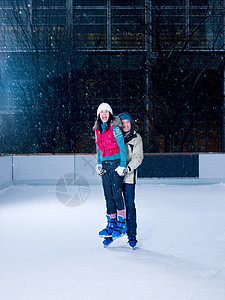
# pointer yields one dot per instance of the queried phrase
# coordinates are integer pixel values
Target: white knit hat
(104, 106)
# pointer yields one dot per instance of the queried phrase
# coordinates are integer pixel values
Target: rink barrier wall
(5, 171)
(169, 166)
(80, 168)
(51, 169)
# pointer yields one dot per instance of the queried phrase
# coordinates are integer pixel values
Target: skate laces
(111, 225)
(121, 225)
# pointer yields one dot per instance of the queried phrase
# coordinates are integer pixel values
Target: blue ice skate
(132, 241)
(107, 231)
(120, 229)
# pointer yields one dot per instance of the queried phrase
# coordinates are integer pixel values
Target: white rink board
(5, 170)
(211, 166)
(85, 166)
(42, 167)
(48, 168)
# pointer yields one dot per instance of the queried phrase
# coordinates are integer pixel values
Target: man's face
(126, 125)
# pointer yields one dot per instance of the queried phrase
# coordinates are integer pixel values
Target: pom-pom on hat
(104, 106)
(126, 116)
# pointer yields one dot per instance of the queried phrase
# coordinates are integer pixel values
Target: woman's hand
(99, 170)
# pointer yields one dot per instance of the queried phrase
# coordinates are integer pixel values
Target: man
(134, 150)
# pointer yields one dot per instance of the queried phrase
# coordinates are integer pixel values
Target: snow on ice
(51, 251)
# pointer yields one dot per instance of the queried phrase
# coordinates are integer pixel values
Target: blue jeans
(112, 186)
(129, 196)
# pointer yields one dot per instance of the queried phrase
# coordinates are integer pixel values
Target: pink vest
(106, 142)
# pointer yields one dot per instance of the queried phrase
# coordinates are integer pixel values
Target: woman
(111, 158)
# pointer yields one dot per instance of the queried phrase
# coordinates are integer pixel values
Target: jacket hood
(116, 121)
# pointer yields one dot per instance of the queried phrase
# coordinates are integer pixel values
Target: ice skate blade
(105, 236)
(133, 248)
(117, 237)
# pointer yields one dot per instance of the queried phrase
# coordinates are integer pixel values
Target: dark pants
(112, 186)
(129, 196)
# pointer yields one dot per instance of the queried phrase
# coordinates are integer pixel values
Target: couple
(119, 153)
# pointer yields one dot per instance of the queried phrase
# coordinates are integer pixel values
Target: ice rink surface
(50, 249)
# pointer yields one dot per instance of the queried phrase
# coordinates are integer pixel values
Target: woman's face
(104, 116)
(126, 125)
